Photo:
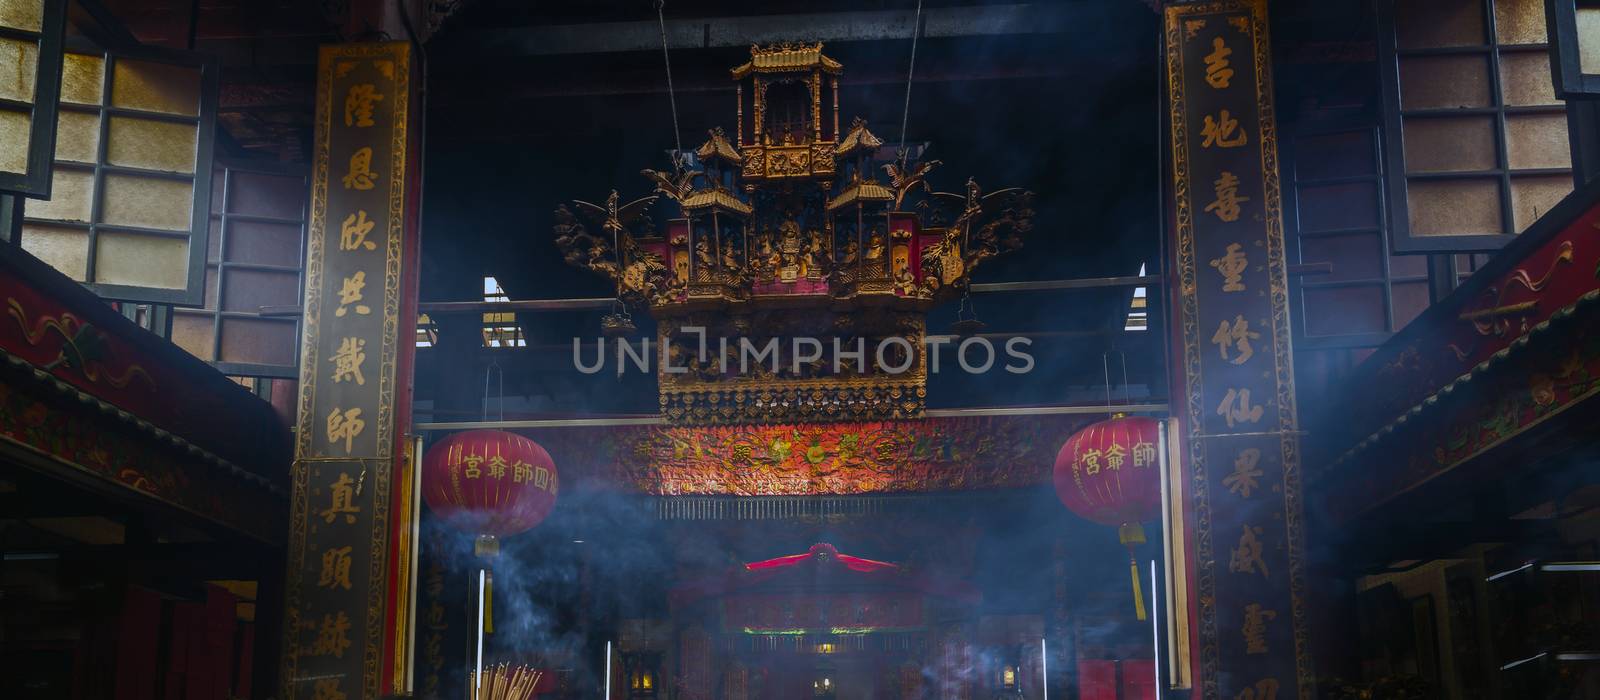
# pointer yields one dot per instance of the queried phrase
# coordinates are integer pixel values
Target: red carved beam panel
(1481, 420)
(935, 454)
(37, 421)
(61, 328)
(1537, 278)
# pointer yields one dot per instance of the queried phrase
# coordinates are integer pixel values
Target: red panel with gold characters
(1242, 432)
(342, 573)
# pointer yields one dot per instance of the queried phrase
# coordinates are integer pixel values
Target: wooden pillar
(835, 86)
(138, 645)
(213, 653)
(347, 609)
(694, 663)
(1583, 130)
(816, 105)
(1058, 628)
(1235, 367)
(757, 98)
(10, 219)
(266, 647)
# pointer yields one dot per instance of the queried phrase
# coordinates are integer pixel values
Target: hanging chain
(661, 21)
(905, 115)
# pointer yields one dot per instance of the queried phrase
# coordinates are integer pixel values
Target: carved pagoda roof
(785, 58)
(862, 191)
(717, 197)
(859, 138)
(718, 147)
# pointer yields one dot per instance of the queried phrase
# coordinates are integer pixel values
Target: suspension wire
(1105, 365)
(1127, 391)
(494, 370)
(905, 115)
(672, 96)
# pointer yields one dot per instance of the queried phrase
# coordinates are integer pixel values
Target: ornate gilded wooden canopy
(801, 229)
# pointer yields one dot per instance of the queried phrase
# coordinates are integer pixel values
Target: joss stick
(504, 682)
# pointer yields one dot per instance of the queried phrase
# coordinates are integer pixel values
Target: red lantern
(1107, 473)
(489, 482)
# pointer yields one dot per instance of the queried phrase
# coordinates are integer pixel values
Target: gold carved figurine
(789, 266)
(852, 249)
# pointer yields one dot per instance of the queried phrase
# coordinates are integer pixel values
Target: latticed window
(249, 322)
(1477, 143)
(1353, 291)
(1576, 24)
(30, 49)
(1358, 293)
(131, 182)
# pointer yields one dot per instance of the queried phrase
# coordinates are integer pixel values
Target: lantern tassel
(487, 547)
(1131, 534)
(1138, 594)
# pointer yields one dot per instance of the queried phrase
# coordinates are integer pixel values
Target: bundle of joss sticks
(505, 682)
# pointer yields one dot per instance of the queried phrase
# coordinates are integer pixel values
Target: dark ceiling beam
(269, 93)
(722, 32)
(457, 93)
(209, 560)
(101, 25)
(278, 52)
(1444, 540)
(18, 506)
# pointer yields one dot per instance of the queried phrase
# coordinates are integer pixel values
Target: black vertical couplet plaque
(1243, 436)
(338, 579)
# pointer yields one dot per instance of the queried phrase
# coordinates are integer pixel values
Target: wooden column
(1240, 432)
(347, 591)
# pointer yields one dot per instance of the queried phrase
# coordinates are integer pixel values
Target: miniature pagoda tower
(792, 229)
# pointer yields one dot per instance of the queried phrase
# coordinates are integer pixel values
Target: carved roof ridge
(858, 138)
(717, 146)
(787, 57)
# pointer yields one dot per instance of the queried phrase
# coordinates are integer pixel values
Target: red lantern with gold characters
(1107, 474)
(490, 483)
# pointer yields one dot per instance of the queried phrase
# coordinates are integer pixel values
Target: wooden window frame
(198, 235)
(1566, 68)
(224, 218)
(1293, 184)
(46, 89)
(1389, 54)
